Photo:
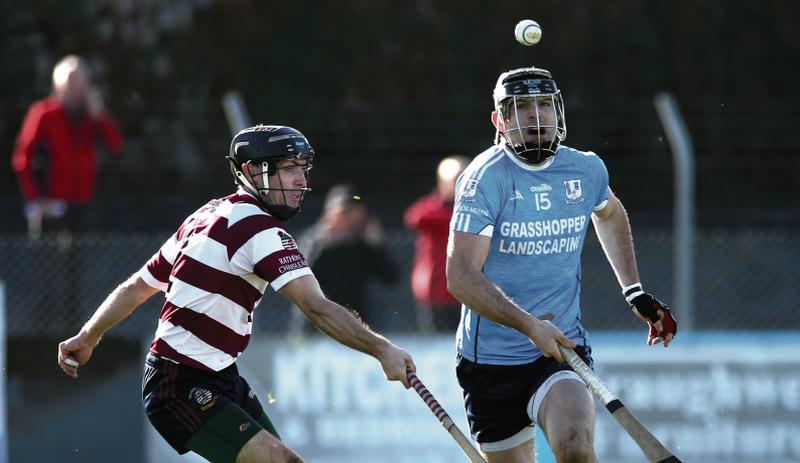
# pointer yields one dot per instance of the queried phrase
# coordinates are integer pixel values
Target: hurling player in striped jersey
(214, 270)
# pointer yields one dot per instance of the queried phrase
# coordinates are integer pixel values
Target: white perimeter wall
(711, 398)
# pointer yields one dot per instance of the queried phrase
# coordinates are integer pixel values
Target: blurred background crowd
(384, 92)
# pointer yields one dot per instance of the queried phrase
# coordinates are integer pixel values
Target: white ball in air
(528, 32)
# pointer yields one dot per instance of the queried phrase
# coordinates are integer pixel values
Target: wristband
(630, 292)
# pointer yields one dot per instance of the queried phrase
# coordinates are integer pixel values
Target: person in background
(429, 218)
(345, 249)
(54, 155)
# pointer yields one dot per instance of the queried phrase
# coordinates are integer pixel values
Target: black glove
(652, 311)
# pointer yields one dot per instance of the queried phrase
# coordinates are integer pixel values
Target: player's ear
(246, 171)
(497, 122)
(251, 172)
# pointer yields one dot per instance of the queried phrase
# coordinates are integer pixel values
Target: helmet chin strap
(242, 179)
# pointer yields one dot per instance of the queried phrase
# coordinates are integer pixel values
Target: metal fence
(745, 281)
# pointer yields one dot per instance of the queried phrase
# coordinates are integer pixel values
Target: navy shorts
(496, 396)
(179, 399)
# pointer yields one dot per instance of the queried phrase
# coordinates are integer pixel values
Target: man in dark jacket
(345, 249)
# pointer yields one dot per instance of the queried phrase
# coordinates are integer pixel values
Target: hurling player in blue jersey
(519, 223)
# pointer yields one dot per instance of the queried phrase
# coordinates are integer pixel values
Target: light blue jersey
(537, 219)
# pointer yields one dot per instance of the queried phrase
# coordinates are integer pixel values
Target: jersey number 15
(542, 201)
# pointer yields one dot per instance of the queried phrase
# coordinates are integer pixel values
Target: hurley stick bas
(652, 448)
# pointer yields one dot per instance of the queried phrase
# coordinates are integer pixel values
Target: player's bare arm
(614, 233)
(466, 253)
(342, 326)
(117, 306)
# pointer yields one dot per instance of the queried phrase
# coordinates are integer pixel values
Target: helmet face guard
(531, 114)
(259, 150)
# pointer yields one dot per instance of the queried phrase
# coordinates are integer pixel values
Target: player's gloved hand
(657, 315)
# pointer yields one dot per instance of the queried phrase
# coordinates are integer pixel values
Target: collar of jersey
(247, 197)
(516, 160)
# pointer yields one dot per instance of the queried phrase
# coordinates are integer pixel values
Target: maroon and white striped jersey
(214, 271)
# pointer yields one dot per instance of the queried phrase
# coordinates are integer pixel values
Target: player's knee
(285, 455)
(575, 447)
(265, 448)
(573, 455)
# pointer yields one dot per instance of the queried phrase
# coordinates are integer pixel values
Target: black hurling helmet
(266, 145)
(525, 94)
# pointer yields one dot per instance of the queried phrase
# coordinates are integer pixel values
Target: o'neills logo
(287, 241)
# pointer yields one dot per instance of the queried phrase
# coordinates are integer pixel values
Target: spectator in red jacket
(54, 156)
(429, 217)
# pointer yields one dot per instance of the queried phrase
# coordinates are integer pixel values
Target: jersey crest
(574, 191)
(287, 241)
(471, 188)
